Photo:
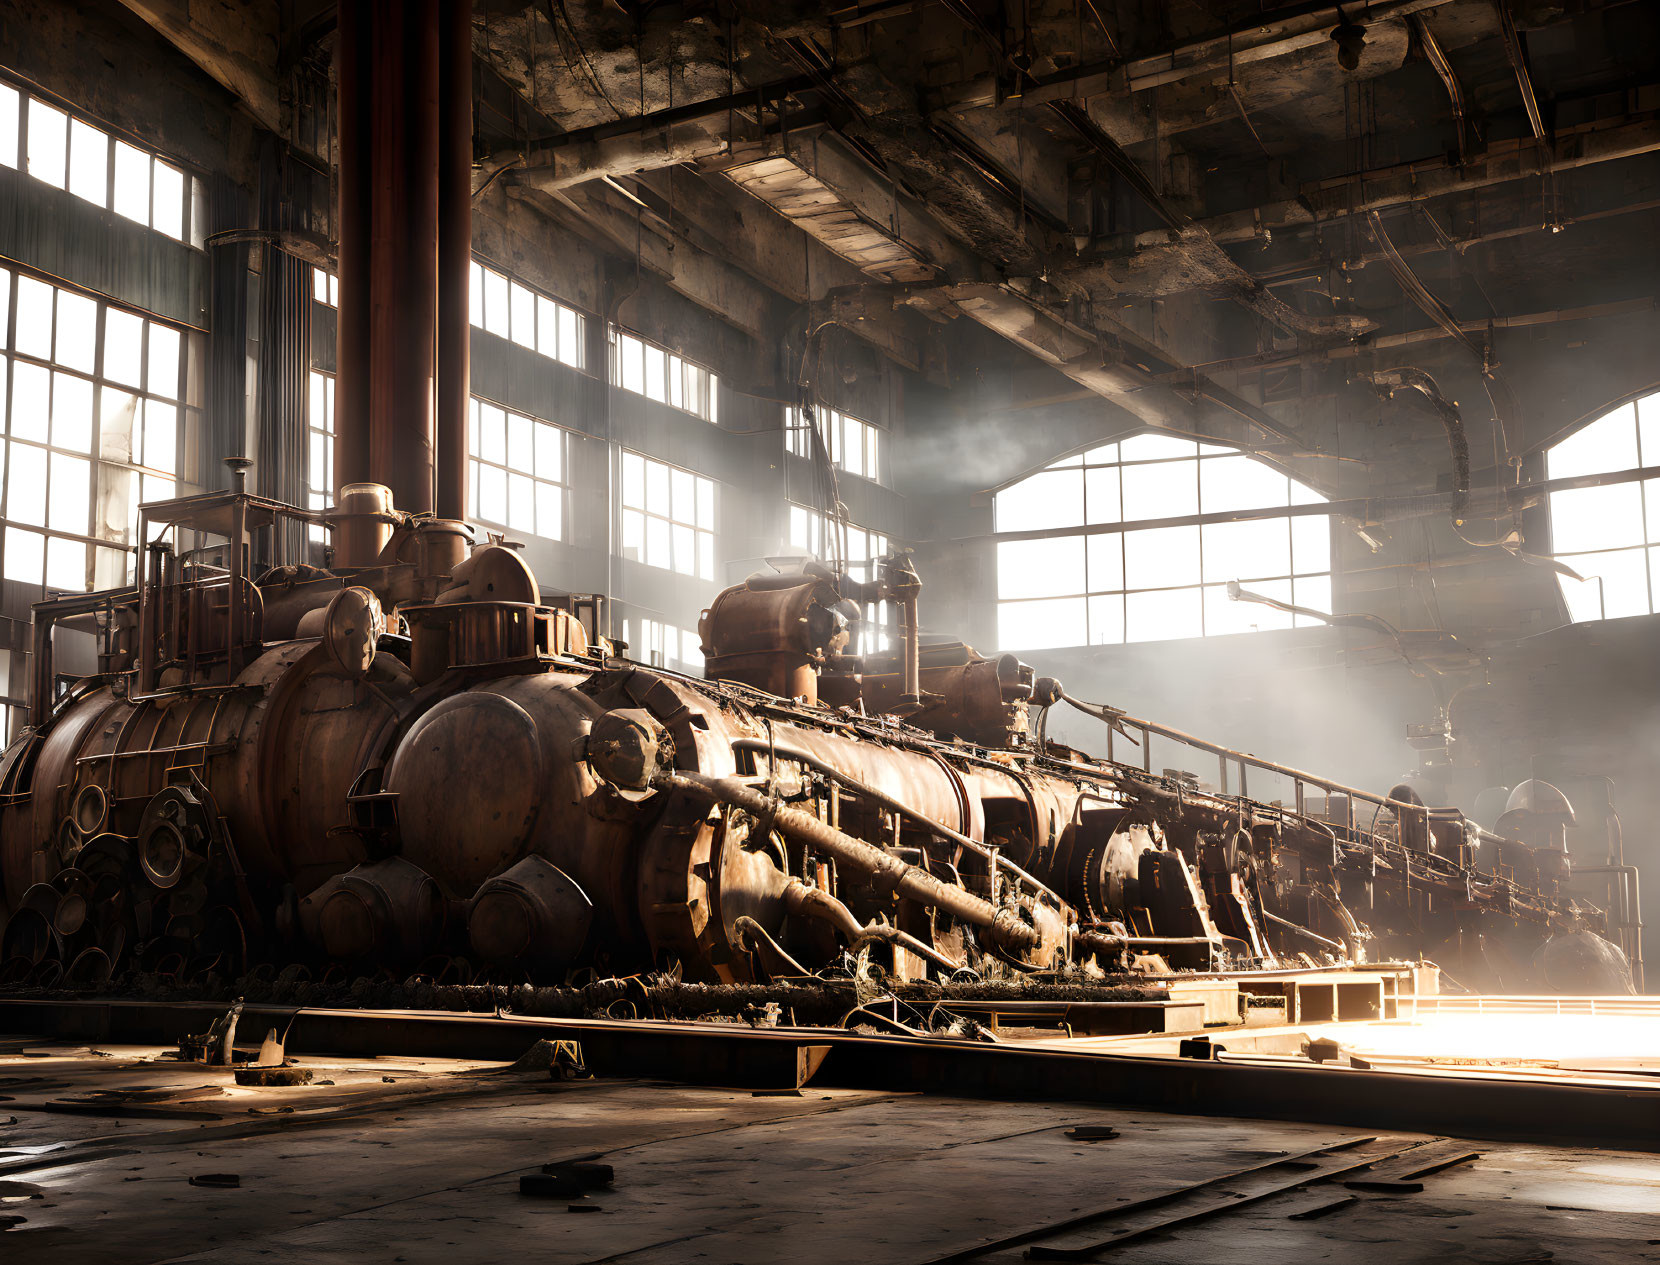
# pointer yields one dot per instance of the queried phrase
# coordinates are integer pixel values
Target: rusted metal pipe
(351, 382)
(815, 902)
(455, 256)
(403, 217)
(913, 653)
(1000, 925)
(1301, 930)
(892, 804)
(1096, 940)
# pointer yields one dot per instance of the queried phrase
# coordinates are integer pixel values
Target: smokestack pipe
(455, 257)
(351, 382)
(389, 61)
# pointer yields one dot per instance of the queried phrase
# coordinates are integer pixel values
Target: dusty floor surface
(403, 1160)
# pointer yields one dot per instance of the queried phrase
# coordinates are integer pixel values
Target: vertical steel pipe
(388, 70)
(403, 249)
(351, 382)
(455, 254)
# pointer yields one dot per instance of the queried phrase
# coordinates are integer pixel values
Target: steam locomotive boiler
(421, 765)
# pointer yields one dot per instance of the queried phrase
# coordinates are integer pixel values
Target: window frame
(192, 210)
(1106, 609)
(320, 384)
(1643, 409)
(836, 427)
(477, 463)
(571, 351)
(144, 480)
(701, 533)
(650, 648)
(687, 385)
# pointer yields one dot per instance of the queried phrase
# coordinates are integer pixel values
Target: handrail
(1116, 719)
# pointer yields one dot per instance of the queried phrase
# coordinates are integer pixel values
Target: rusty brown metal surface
(527, 804)
(455, 255)
(263, 775)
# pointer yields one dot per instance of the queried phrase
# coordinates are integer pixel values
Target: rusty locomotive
(421, 765)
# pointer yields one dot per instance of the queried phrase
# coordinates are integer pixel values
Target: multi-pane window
(320, 450)
(663, 645)
(94, 396)
(814, 533)
(1609, 535)
(854, 446)
(517, 471)
(660, 375)
(1155, 583)
(66, 152)
(668, 516)
(13, 707)
(325, 287)
(504, 307)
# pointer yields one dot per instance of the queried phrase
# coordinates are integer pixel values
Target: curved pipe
(1301, 930)
(815, 902)
(1407, 378)
(749, 926)
(887, 801)
(1000, 925)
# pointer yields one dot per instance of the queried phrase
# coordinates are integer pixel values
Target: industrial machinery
(421, 765)
(405, 760)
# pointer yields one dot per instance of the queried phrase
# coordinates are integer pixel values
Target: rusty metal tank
(419, 767)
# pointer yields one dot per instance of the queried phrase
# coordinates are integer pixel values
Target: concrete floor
(403, 1160)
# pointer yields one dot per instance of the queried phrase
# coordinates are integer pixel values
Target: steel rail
(1511, 1105)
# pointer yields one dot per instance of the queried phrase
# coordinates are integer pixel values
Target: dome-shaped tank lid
(1534, 798)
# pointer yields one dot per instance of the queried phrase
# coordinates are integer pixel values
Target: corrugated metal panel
(101, 251)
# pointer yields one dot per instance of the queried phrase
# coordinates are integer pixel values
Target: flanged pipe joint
(534, 914)
(628, 750)
(389, 909)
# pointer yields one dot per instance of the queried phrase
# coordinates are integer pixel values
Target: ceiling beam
(234, 44)
(1197, 407)
(1322, 201)
(1304, 26)
(602, 217)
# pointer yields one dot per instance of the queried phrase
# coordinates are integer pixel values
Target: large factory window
(854, 446)
(812, 533)
(658, 374)
(320, 448)
(1070, 588)
(92, 429)
(668, 517)
(1609, 535)
(514, 311)
(517, 471)
(70, 153)
(13, 706)
(663, 645)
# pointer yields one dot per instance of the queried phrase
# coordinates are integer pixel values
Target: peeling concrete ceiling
(1122, 190)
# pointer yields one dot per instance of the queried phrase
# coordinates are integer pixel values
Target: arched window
(1610, 535)
(1073, 588)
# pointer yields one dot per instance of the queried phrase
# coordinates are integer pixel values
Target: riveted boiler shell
(468, 778)
(31, 825)
(308, 740)
(277, 756)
